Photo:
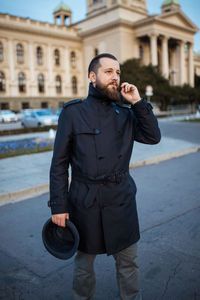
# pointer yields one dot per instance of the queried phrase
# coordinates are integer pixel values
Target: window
(60, 104)
(39, 56)
(25, 105)
(44, 105)
(41, 83)
(1, 52)
(2, 82)
(73, 59)
(4, 105)
(96, 51)
(58, 84)
(140, 52)
(57, 57)
(21, 83)
(74, 85)
(20, 53)
(186, 47)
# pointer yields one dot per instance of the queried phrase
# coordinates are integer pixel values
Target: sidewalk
(28, 175)
(168, 209)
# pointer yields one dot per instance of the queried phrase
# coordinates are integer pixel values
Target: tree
(164, 93)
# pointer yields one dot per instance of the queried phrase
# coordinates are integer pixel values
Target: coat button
(96, 131)
(100, 157)
(120, 156)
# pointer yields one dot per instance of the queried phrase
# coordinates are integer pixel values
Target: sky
(42, 10)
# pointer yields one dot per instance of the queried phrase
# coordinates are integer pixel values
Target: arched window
(41, 83)
(21, 83)
(2, 82)
(39, 55)
(74, 85)
(20, 53)
(57, 57)
(1, 51)
(58, 84)
(73, 59)
(140, 52)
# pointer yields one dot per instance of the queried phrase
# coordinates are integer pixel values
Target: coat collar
(96, 98)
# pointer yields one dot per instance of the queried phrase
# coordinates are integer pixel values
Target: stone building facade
(45, 65)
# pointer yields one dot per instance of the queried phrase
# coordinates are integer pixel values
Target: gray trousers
(84, 282)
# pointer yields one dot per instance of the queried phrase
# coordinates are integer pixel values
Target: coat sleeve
(60, 164)
(146, 125)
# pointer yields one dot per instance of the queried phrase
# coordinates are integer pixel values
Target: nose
(115, 76)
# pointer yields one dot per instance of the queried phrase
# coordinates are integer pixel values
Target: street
(12, 125)
(169, 249)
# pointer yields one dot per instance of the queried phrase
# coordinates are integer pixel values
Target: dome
(168, 2)
(62, 6)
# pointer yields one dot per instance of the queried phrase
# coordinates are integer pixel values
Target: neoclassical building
(45, 65)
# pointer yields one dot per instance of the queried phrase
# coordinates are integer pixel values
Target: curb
(38, 190)
(23, 194)
(160, 158)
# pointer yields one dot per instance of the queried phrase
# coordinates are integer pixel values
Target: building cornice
(26, 25)
(99, 29)
(156, 20)
(108, 10)
(181, 14)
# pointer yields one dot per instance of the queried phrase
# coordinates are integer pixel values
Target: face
(107, 78)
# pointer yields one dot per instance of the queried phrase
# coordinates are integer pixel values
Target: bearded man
(95, 136)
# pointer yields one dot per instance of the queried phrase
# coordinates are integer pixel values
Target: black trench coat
(96, 138)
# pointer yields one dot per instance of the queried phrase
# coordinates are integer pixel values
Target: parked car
(57, 112)
(38, 117)
(8, 116)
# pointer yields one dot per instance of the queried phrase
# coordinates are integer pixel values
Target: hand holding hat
(61, 242)
(59, 219)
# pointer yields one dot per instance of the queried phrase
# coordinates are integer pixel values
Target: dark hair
(95, 64)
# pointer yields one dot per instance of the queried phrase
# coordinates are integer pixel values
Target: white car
(8, 116)
(38, 117)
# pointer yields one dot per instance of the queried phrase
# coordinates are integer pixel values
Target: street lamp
(172, 72)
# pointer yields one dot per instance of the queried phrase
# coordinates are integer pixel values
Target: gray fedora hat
(61, 242)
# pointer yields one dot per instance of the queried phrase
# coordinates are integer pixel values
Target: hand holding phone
(130, 92)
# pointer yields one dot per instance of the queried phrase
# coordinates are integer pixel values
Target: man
(95, 137)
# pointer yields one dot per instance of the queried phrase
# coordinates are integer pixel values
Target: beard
(111, 93)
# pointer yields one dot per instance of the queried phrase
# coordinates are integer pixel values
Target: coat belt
(94, 182)
(115, 177)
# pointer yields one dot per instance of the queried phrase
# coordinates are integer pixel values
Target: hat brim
(61, 242)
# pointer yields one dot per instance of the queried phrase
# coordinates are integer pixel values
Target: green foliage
(197, 81)
(164, 94)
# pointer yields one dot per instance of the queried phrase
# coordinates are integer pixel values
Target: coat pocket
(77, 193)
(86, 131)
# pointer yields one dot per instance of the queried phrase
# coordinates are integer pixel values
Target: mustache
(116, 84)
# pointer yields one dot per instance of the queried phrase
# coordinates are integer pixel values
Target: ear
(92, 77)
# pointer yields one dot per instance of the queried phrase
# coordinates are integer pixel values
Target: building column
(11, 55)
(153, 49)
(181, 63)
(51, 80)
(12, 80)
(31, 86)
(191, 65)
(165, 57)
(32, 60)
